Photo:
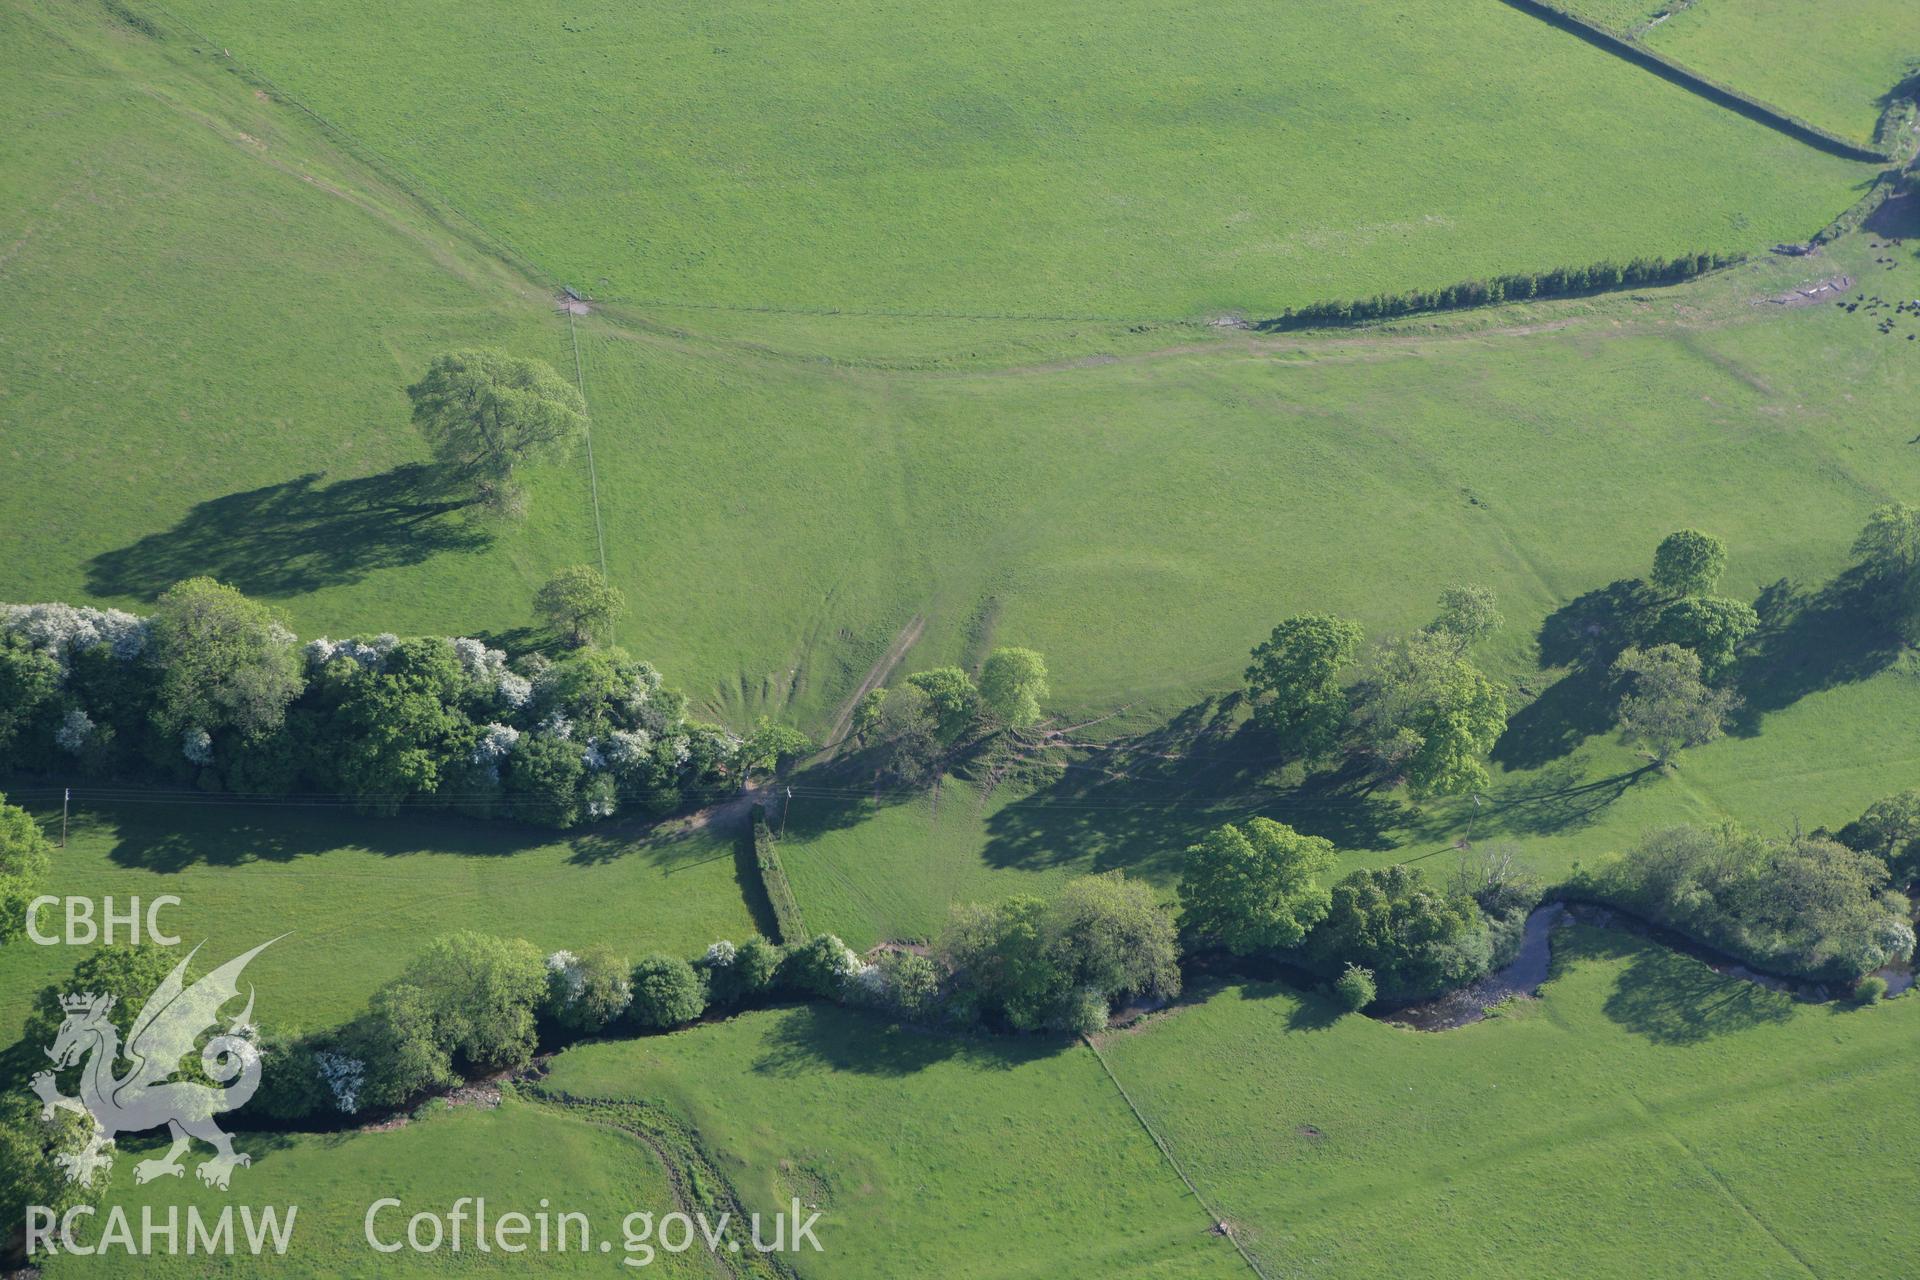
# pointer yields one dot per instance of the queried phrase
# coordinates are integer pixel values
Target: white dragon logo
(171, 1021)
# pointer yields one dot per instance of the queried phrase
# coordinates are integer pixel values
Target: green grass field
(775, 520)
(927, 1155)
(516, 1157)
(211, 319)
(1834, 64)
(360, 896)
(1645, 1115)
(902, 322)
(1164, 162)
(1715, 1118)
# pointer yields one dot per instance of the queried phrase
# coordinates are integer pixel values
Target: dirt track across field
(876, 676)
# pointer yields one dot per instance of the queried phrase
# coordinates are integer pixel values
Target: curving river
(1529, 969)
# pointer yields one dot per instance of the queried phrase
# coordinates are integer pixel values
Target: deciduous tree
(1711, 626)
(578, 602)
(224, 662)
(1294, 681)
(1468, 615)
(1254, 889)
(1668, 705)
(1688, 563)
(1430, 715)
(1013, 683)
(25, 856)
(486, 414)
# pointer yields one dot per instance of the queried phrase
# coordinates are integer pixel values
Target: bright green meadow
(927, 1154)
(518, 1157)
(1836, 65)
(1150, 161)
(356, 897)
(927, 329)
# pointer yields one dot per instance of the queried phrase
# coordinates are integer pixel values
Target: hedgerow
(1561, 282)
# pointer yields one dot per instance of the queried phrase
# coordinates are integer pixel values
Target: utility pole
(783, 813)
(66, 798)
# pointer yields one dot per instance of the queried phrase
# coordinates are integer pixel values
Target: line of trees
(1561, 282)
(1806, 905)
(213, 691)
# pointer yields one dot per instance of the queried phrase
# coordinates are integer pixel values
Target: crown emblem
(86, 1002)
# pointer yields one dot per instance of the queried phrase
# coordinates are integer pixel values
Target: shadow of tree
(1586, 634)
(1809, 642)
(1556, 798)
(812, 1036)
(1896, 219)
(174, 830)
(1675, 999)
(1136, 804)
(296, 536)
(1577, 706)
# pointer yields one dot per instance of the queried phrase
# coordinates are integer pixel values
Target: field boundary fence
(1220, 1224)
(1675, 72)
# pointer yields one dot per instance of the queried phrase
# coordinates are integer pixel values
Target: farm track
(687, 1166)
(876, 676)
(392, 195)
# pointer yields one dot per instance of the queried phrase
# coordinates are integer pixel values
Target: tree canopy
(1890, 831)
(1801, 904)
(1416, 940)
(1254, 889)
(1013, 683)
(1668, 706)
(485, 414)
(577, 602)
(483, 993)
(25, 856)
(1430, 715)
(1688, 563)
(1062, 963)
(953, 699)
(1889, 549)
(1468, 615)
(1294, 681)
(224, 662)
(1712, 626)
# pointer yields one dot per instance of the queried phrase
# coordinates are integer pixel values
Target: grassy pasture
(361, 895)
(1145, 519)
(1155, 162)
(514, 1156)
(1833, 64)
(776, 519)
(210, 319)
(1719, 1121)
(1645, 1115)
(927, 1155)
(872, 871)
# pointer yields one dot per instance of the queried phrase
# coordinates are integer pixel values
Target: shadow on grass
(1675, 999)
(297, 536)
(1586, 634)
(814, 1036)
(1555, 799)
(1809, 642)
(1136, 804)
(174, 831)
